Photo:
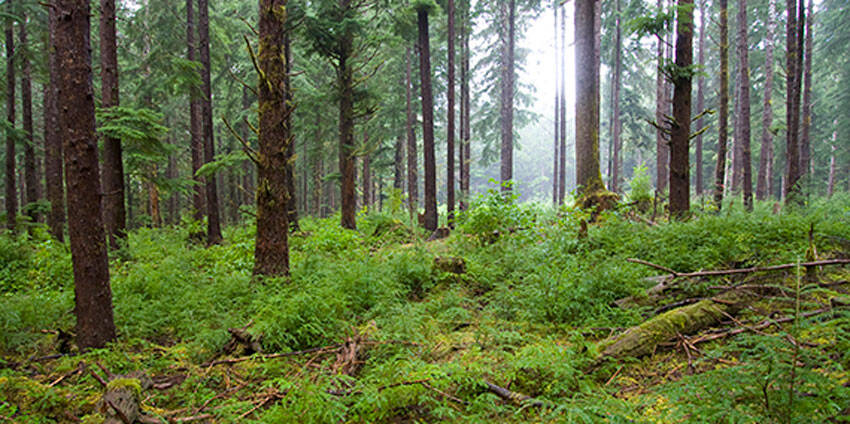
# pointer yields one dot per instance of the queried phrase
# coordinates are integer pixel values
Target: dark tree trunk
(723, 124)
(466, 149)
(766, 155)
(291, 202)
(662, 148)
(507, 92)
(700, 184)
(113, 165)
(33, 191)
(744, 109)
(248, 189)
(681, 127)
(173, 206)
(318, 167)
(557, 116)
(412, 162)
(345, 78)
(450, 122)
(562, 166)
(213, 222)
(92, 293)
(271, 252)
(427, 121)
(11, 186)
(195, 128)
(805, 139)
(367, 179)
(398, 164)
(53, 175)
(792, 106)
(830, 187)
(588, 175)
(614, 170)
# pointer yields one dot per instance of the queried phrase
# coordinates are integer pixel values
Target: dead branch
(511, 396)
(716, 273)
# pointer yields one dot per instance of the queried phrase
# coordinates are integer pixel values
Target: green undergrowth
(528, 313)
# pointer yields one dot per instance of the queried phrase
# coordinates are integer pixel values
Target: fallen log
(722, 272)
(511, 396)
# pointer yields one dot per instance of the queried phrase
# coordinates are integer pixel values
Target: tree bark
(681, 126)
(398, 164)
(766, 154)
(366, 183)
(213, 220)
(33, 191)
(53, 175)
(412, 160)
(562, 166)
(743, 120)
(792, 106)
(113, 164)
(723, 120)
(345, 78)
(588, 175)
(830, 187)
(557, 116)
(92, 293)
(662, 148)
(507, 93)
(466, 149)
(615, 105)
(427, 121)
(700, 184)
(291, 201)
(271, 252)
(450, 122)
(805, 139)
(11, 187)
(195, 128)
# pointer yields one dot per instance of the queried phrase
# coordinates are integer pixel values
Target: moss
(125, 383)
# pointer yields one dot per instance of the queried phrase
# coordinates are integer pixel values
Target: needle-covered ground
(380, 325)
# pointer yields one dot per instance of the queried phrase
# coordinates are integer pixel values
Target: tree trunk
(562, 166)
(766, 154)
(681, 127)
(450, 122)
(213, 223)
(466, 148)
(700, 184)
(507, 93)
(743, 138)
(248, 185)
(92, 293)
(398, 164)
(11, 187)
(367, 179)
(662, 149)
(588, 175)
(427, 122)
(195, 128)
(792, 106)
(53, 153)
(412, 160)
(113, 165)
(830, 188)
(33, 191)
(805, 139)
(345, 78)
(557, 116)
(271, 252)
(615, 105)
(291, 201)
(723, 120)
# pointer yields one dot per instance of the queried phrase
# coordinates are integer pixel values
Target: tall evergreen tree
(765, 173)
(53, 175)
(11, 187)
(31, 177)
(587, 32)
(113, 163)
(723, 120)
(506, 101)
(742, 138)
(422, 11)
(212, 209)
(680, 131)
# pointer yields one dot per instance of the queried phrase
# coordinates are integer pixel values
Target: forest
(415, 211)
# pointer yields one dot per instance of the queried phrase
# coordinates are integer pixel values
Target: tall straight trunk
(555, 144)
(792, 105)
(291, 201)
(271, 251)
(366, 182)
(507, 92)
(743, 137)
(700, 184)
(195, 128)
(153, 197)
(615, 105)
(173, 205)
(412, 160)
(345, 78)
(766, 154)
(92, 293)
(11, 187)
(562, 165)
(213, 223)
(588, 175)
(723, 124)
(830, 187)
(317, 167)
(427, 121)
(53, 175)
(805, 139)
(466, 148)
(398, 168)
(680, 133)
(113, 165)
(450, 121)
(662, 148)
(248, 190)
(33, 192)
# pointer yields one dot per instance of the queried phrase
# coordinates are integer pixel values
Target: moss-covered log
(645, 338)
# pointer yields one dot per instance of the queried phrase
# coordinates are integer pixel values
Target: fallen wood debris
(722, 272)
(511, 396)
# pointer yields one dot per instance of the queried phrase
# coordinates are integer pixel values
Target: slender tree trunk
(398, 164)
(792, 106)
(681, 127)
(700, 184)
(113, 165)
(11, 187)
(427, 122)
(450, 121)
(271, 252)
(33, 191)
(92, 293)
(345, 77)
(723, 124)
(291, 201)
(805, 139)
(195, 128)
(557, 116)
(466, 148)
(615, 107)
(412, 160)
(662, 148)
(830, 188)
(562, 166)
(766, 155)
(588, 175)
(367, 178)
(507, 96)
(743, 137)
(53, 175)
(213, 223)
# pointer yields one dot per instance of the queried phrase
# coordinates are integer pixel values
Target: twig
(98, 378)
(118, 412)
(80, 368)
(444, 394)
(325, 349)
(750, 270)
(511, 396)
(656, 266)
(193, 418)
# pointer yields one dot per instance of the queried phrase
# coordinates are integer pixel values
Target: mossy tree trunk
(723, 115)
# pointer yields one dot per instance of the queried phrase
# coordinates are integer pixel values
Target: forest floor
(509, 319)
